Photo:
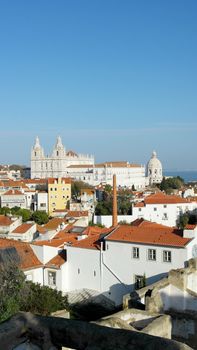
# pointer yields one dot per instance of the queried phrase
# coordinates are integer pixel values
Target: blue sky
(115, 78)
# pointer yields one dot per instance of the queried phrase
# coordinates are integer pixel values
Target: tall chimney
(114, 218)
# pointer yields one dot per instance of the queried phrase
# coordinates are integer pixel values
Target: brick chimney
(114, 218)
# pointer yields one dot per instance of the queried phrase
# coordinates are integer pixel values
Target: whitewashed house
(9, 223)
(26, 232)
(127, 256)
(163, 209)
(13, 198)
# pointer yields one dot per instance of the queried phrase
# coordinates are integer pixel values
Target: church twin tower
(55, 165)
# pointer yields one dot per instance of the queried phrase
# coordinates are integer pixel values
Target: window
(155, 209)
(140, 209)
(165, 206)
(52, 278)
(94, 273)
(165, 216)
(139, 281)
(167, 256)
(136, 254)
(151, 254)
(29, 277)
(78, 271)
(42, 205)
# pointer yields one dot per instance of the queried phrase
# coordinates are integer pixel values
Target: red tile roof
(190, 227)
(117, 164)
(58, 260)
(149, 233)
(28, 259)
(5, 220)
(35, 181)
(91, 242)
(76, 213)
(13, 193)
(67, 180)
(23, 228)
(53, 224)
(56, 243)
(161, 198)
(139, 205)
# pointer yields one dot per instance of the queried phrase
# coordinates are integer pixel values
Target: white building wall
(83, 268)
(64, 278)
(42, 201)
(118, 259)
(177, 299)
(11, 201)
(106, 220)
(125, 176)
(25, 237)
(44, 253)
(35, 275)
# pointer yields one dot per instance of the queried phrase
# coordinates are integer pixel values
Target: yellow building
(59, 193)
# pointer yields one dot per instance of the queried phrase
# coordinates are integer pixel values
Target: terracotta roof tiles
(161, 198)
(58, 260)
(149, 233)
(23, 228)
(28, 259)
(13, 193)
(5, 220)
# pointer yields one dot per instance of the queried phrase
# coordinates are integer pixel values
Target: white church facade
(83, 168)
(55, 165)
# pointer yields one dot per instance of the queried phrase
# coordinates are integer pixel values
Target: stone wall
(51, 333)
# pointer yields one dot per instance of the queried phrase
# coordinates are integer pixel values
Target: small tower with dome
(154, 170)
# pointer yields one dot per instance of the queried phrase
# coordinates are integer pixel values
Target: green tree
(171, 183)
(25, 213)
(41, 300)
(108, 188)
(17, 294)
(5, 211)
(40, 217)
(11, 282)
(183, 220)
(15, 210)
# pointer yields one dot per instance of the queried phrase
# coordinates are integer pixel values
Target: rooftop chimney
(114, 219)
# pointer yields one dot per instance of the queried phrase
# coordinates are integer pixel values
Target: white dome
(154, 169)
(154, 162)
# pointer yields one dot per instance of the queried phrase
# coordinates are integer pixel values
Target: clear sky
(115, 78)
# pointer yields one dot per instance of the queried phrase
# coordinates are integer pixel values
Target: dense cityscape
(65, 220)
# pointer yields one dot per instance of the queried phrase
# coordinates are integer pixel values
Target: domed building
(154, 170)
